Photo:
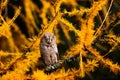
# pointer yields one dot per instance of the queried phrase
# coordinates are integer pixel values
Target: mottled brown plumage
(49, 49)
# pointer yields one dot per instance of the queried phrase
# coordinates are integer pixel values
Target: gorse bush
(87, 33)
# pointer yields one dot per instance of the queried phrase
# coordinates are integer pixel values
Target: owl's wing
(45, 54)
(56, 50)
(42, 49)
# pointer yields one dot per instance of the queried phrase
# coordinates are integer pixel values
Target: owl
(48, 48)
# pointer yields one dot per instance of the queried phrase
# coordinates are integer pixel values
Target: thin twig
(15, 16)
(104, 19)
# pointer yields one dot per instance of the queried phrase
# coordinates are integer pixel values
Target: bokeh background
(33, 17)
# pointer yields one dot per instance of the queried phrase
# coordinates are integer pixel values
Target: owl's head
(48, 38)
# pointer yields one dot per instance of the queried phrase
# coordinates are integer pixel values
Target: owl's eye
(51, 40)
(44, 37)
